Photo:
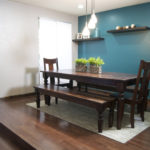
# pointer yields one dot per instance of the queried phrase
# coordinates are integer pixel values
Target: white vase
(100, 69)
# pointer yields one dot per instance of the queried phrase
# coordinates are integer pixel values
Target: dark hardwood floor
(45, 132)
(10, 141)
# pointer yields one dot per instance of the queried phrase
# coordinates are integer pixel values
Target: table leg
(52, 80)
(45, 79)
(120, 110)
(111, 115)
(47, 99)
(37, 98)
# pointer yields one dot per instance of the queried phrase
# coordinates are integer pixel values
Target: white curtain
(55, 39)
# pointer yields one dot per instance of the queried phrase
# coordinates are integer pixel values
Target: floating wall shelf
(89, 39)
(130, 30)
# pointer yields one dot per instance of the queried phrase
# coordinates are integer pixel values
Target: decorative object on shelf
(93, 19)
(86, 32)
(96, 33)
(81, 65)
(86, 36)
(74, 36)
(79, 36)
(145, 28)
(133, 26)
(118, 27)
(95, 64)
(124, 27)
(127, 27)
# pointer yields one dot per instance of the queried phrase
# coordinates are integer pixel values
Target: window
(55, 41)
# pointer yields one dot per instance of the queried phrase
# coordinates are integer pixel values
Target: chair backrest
(50, 63)
(142, 81)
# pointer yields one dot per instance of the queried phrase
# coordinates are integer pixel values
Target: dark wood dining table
(119, 82)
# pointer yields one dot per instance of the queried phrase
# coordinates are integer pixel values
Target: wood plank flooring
(45, 132)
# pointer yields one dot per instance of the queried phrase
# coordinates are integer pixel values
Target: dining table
(119, 82)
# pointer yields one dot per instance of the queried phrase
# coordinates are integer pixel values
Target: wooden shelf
(90, 39)
(130, 30)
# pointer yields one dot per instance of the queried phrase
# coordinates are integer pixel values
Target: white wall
(19, 52)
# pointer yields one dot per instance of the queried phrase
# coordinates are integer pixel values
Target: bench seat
(100, 103)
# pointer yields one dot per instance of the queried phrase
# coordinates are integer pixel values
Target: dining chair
(130, 89)
(139, 96)
(51, 63)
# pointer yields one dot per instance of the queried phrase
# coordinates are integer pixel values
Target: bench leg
(47, 99)
(111, 115)
(70, 84)
(37, 98)
(86, 88)
(79, 86)
(100, 119)
(56, 100)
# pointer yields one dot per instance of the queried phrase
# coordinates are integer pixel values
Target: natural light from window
(55, 40)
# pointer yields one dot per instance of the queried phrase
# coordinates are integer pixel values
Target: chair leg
(142, 111)
(56, 100)
(111, 115)
(37, 98)
(132, 115)
(146, 100)
(145, 108)
(138, 108)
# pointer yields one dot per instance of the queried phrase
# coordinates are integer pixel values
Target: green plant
(81, 61)
(95, 61)
(99, 61)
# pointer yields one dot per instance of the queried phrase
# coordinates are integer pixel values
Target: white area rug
(87, 118)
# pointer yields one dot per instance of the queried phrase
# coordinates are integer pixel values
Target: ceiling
(71, 6)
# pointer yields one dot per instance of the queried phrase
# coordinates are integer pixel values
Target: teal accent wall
(121, 52)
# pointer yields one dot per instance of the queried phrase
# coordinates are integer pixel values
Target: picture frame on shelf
(86, 36)
(79, 36)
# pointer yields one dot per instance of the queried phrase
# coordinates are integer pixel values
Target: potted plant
(81, 65)
(95, 64)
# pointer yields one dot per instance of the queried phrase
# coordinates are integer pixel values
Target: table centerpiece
(95, 65)
(81, 65)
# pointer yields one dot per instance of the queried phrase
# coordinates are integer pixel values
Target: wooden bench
(100, 103)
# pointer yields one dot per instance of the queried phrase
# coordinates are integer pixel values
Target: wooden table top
(105, 75)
